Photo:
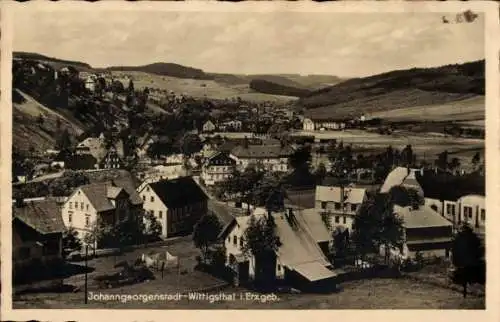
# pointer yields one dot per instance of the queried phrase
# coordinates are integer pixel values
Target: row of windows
(235, 240)
(81, 204)
(338, 206)
(151, 199)
(176, 214)
(160, 213)
(87, 219)
(337, 219)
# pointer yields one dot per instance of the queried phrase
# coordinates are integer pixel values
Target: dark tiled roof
(44, 216)
(222, 211)
(178, 192)
(81, 162)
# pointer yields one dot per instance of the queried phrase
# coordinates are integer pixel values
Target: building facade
(217, 168)
(177, 204)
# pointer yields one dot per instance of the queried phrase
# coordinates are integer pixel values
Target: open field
(199, 88)
(471, 109)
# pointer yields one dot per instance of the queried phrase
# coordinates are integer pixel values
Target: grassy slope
(397, 90)
(198, 88)
(28, 133)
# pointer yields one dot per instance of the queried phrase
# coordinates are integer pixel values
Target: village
(165, 193)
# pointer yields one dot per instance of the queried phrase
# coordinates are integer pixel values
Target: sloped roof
(421, 218)
(394, 178)
(222, 211)
(178, 192)
(42, 215)
(327, 193)
(316, 226)
(261, 151)
(99, 194)
(298, 246)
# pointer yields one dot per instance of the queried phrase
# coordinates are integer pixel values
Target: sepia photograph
(232, 159)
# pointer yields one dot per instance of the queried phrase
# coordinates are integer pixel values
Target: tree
(131, 87)
(153, 227)
(320, 173)
(454, 164)
(442, 160)
(340, 242)
(63, 142)
(377, 225)
(261, 241)
(300, 160)
(206, 232)
(70, 241)
(468, 258)
(407, 156)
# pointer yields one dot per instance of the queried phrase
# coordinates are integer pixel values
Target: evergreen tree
(206, 232)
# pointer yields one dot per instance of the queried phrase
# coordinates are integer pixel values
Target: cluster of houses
(312, 123)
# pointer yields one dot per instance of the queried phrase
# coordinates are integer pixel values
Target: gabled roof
(44, 216)
(101, 194)
(220, 158)
(421, 218)
(315, 224)
(224, 212)
(178, 192)
(353, 195)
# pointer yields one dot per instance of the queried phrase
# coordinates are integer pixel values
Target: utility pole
(86, 270)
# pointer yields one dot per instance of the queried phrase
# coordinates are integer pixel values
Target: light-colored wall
(155, 205)
(216, 173)
(235, 250)
(78, 221)
(477, 206)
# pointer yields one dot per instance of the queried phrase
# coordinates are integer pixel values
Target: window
(143, 198)
(337, 206)
(160, 214)
(467, 212)
(235, 240)
(70, 205)
(337, 219)
(241, 242)
(81, 205)
(147, 188)
(323, 205)
(152, 199)
(279, 267)
(152, 212)
(87, 220)
(70, 217)
(87, 207)
(344, 219)
(353, 207)
(483, 215)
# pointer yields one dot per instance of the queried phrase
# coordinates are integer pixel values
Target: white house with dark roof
(472, 209)
(177, 204)
(109, 201)
(340, 203)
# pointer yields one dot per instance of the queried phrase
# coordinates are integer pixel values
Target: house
(177, 204)
(270, 157)
(340, 203)
(217, 168)
(425, 232)
(308, 124)
(299, 259)
(37, 229)
(162, 172)
(208, 127)
(94, 146)
(90, 83)
(472, 209)
(111, 160)
(108, 201)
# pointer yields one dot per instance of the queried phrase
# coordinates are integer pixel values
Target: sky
(341, 44)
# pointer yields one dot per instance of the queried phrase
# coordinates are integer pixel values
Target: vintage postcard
(211, 156)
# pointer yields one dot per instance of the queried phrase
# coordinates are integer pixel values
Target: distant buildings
(313, 124)
(177, 204)
(209, 127)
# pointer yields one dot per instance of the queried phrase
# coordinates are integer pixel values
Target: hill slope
(54, 62)
(398, 89)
